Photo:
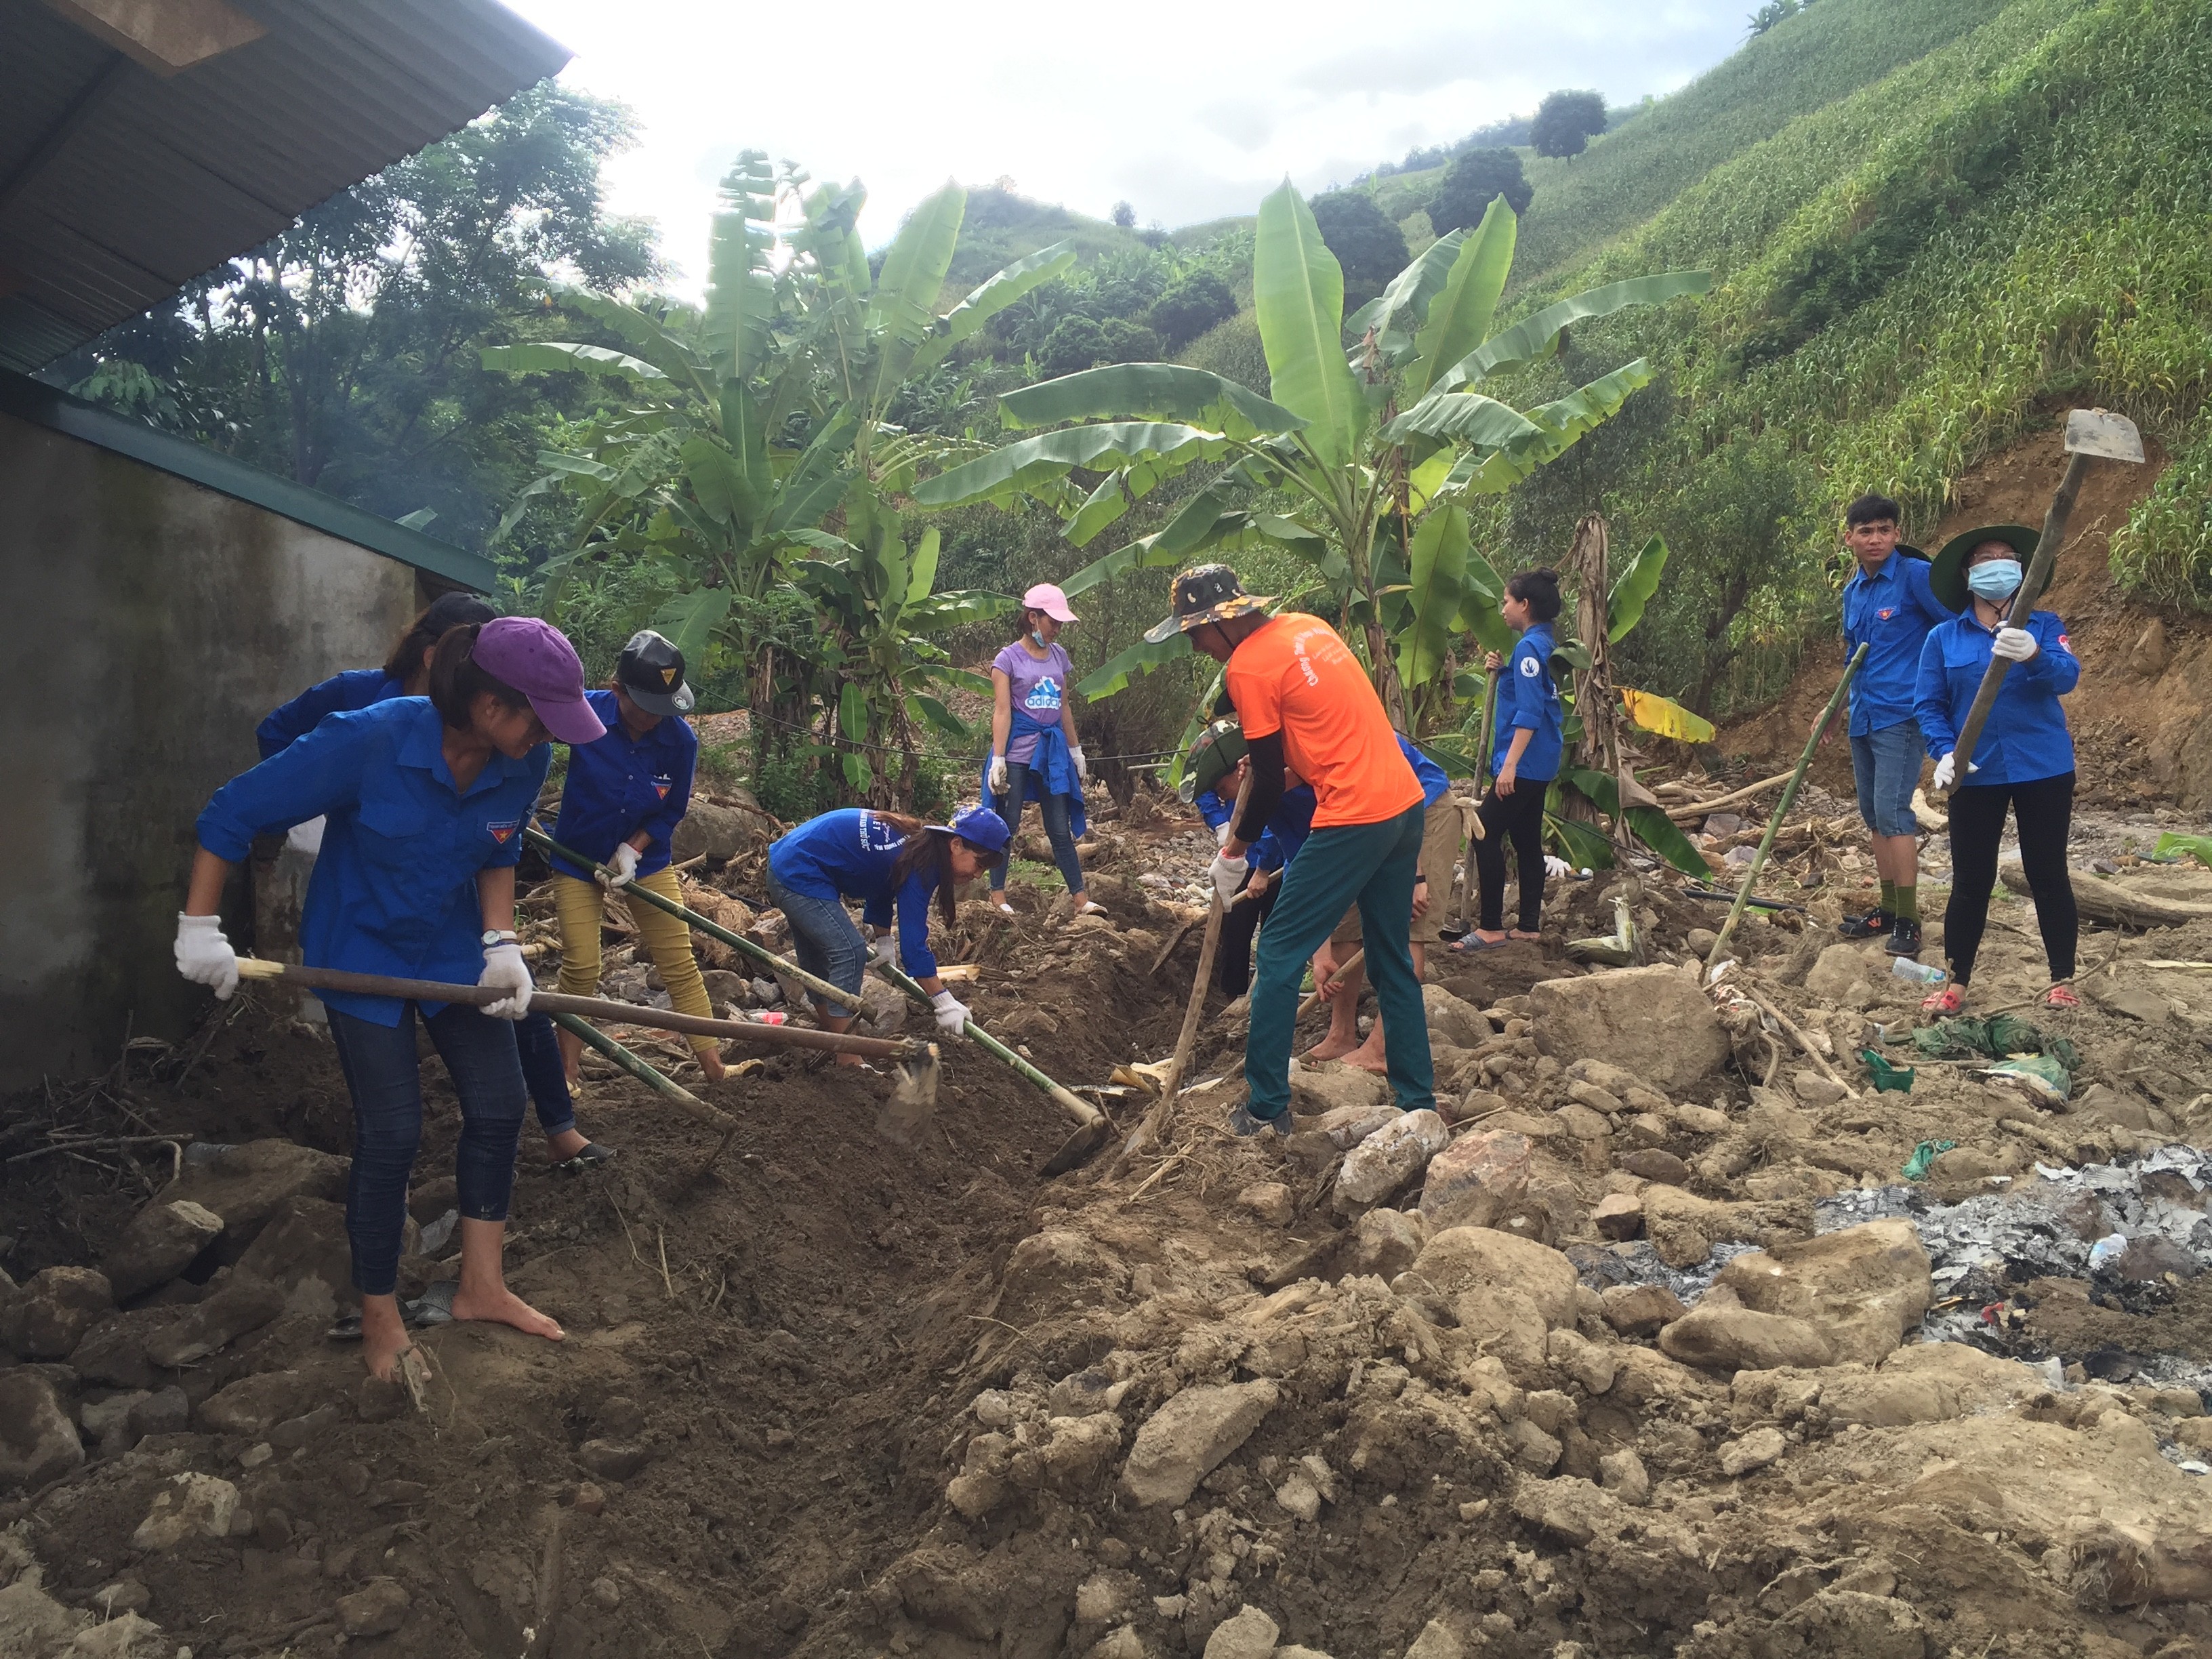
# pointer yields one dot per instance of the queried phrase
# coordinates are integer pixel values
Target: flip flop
(433, 1306)
(590, 1157)
(1474, 942)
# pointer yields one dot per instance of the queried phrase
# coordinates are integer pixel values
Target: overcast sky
(1188, 112)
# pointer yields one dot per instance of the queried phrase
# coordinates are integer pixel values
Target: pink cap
(1050, 599)
(535, 659)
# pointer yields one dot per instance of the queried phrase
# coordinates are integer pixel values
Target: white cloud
(1189, 114)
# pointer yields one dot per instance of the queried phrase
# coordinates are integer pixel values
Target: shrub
(1193, 303)
(2165, 548)
(1565, 123)
(1371, 248)
(1475, 179)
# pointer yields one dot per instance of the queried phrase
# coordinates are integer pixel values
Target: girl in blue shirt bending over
(1525, 760)
(425, 800)
(893, 865)
(2024, 758)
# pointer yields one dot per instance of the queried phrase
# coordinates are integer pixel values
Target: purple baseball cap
(535, 659)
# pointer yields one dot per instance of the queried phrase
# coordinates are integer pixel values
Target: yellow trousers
(578, 905)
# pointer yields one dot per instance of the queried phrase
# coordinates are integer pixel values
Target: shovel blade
(1078, 1149)
(2101, 433)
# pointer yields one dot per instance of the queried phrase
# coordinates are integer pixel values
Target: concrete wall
(146, 624)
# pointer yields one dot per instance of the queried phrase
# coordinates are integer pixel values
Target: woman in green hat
(2023, 760)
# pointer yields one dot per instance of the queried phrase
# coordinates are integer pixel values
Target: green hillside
(1911, 275)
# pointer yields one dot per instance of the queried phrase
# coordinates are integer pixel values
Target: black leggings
(1232, 963)
(2044, 810)
(1518, 817)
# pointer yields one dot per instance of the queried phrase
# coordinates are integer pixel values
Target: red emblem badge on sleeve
(500, 832)
(2066, 645)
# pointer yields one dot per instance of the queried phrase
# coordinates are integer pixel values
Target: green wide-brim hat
(1947, 576)
(1214, 755)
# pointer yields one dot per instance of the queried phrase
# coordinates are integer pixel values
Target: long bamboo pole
(1781, 808)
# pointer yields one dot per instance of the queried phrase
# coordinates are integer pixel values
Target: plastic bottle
(1916, 973)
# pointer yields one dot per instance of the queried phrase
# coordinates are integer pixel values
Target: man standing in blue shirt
(1888, 608)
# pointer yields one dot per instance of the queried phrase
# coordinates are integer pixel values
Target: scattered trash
(438, 1233)
(1923, 1154)
(2000, 1036)
(2174, 847)
(2041, 1076)
(1917, 973)
(2107, 1250)
(1893, 1079)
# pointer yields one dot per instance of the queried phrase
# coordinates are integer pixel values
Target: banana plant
(1362, 458)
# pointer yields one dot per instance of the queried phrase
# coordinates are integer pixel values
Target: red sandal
(1948, 1000)
(2061, 997)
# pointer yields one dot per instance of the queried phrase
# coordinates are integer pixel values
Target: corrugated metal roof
(117, 187)
(39, 404)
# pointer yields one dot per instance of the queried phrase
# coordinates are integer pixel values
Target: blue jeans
(1886, 764)
(1373, 864)
(825, 941)
(1056, 828)
(539, 1051)
(385, 1080)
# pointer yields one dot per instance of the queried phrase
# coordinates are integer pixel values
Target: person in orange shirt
(1304, 703)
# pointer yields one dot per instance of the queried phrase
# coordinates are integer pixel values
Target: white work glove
(952, 1013)
(996, 779)
(884, 948)
(504, 968)
(205, 956)
(1947, 770)
(2015, 644)
(1221, 832)
(306, 838)
(624, 863)
(1082, 766)
(1556, 868)
(1228, 875)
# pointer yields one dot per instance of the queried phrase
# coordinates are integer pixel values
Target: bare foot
(565, 1146)
(383, 1336)
(501, 1306)
(850, 1059)
(1332, 1046)
(1369, 1056)
(710, 1062)
(1517, 933)
(575, 1082)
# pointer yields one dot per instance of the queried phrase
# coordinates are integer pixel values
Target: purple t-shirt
(1036, 686)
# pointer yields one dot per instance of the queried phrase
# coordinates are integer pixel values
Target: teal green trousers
(1373, 865)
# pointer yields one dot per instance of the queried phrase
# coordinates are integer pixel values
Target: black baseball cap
(652, 671)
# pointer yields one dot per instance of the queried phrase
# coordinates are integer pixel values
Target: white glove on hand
(306, 838)
(1556, 868)
(625, 867)
(2015, 644)
(1228, 875)
(952, 1013)
(1947, 770)
(1082, 766)
(996, 779)
(884, 948)
(205, 956)
(1221, 832)
(504, 968)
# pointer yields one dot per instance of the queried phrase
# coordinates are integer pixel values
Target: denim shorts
(1886, 765)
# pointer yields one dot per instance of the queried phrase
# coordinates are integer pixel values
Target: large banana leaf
(647, 336)
(1479, 612)
(1665, 717)
(1560, 424)
(1437, 578)
(720, 483)
(1463, 417)
(1649, 824)
(557, 357)
(1458, 322)
(817, 482)
(1298, 297)
(1106, 503)
(1537, 336)
(955, 609)
(988, 299)
(690, 619)
(740, 285)
(925, 567)
(1139, 659)
(902, 311)
(1149, 449)
(1634, 591)
(929, 709)
(1582, 846)
(1397, 312)
(1195, 533)
(1149, 391)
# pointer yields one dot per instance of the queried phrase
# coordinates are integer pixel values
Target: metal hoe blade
(2107, 436)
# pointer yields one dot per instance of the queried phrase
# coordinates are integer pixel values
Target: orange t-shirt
(1296, 676)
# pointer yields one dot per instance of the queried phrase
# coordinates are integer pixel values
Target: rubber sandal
(589, 1158)
(433, 1306)
(2063, 997)
(1474, 942)
(1006, 907)
(1091, 909)
(1948, 1000)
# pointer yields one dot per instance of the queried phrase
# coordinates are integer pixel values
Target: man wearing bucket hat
(2023, 760)
(622, 799)
(1035, 753)
(1304, 703)
(425, 801)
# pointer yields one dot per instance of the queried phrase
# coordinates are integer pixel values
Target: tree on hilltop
(1565, 123)
(1369, 247)
(1125, 216)
(1475, 179)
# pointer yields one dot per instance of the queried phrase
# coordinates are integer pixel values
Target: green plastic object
(2045, 1076)
(1923, 1154)
(1888, 1079)
(2000, 1036)
(2172, 847)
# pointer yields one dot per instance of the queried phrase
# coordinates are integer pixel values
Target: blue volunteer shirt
(2025, 738)
(394, 890)
(621, 785)
(1436, 783)
(848, 854)
(1890, 613)
(341, 694)
(1527, 698)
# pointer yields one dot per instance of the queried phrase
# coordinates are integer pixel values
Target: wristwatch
(497, 936)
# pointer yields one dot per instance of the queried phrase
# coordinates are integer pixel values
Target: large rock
(1683, 1228)
(302, 1249)
(1843, 965)
(49, 1316)
(1640, 1310)
(1721, 1335)
(1477, 1180)
(1055, 1272)
(190, 1506)
(1383, 1243)
(719, 832)
(38, 1443)
(254, 1405)
(32, 1625)
(1455, 1019)
(1186, 1439)
(1328, 1087)
(113, 1351)
(1249, 1635)
(161, 1243)
(377, 1609)
(1863, 1287)
(241, 1305)
(1930, 1383)
(1654, 1022)
(127, 1636)
(1461, 1258)
(1389, 1158)
(245, 1184)
(1346, 1126)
